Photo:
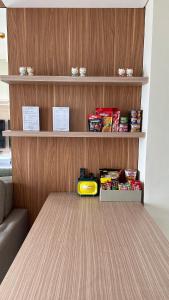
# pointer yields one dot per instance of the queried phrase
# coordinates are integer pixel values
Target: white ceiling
(76, 3)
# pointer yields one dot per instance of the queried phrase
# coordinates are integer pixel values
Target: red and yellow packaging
(107, 118)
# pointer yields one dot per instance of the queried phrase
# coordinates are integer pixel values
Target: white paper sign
(60, 118)
(30, 116)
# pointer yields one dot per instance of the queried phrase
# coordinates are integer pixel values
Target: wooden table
(79, 248)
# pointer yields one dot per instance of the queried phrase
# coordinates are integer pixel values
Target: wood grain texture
(52, 41)
(73, 134)
(2, 4)
(81, 249)
(65, 80)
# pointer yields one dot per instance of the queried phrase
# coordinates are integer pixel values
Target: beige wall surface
(4, 111)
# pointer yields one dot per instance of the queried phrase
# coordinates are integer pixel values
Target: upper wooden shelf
(69, 80)
(73, 134)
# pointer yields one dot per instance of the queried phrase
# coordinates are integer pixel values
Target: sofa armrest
(12, 234)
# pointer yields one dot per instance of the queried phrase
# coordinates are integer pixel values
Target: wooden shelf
(72, 134)
(69, 80)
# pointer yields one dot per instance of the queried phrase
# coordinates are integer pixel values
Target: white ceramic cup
(129, 72)
(30, 71)
(83, 71)
(23, 71)
(121, 72)
(74, 71)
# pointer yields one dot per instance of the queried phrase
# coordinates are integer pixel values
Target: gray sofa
(13, 226)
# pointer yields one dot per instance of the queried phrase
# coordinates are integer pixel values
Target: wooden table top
(81, 249)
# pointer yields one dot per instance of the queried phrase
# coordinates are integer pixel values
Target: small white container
(121, 72)
(30, 71)
(129, 72)
(121, 196)
(23, 71)
(83, 72)
(74, 71)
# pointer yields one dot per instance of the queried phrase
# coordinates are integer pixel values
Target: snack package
(116, 119)
(124, 120)
(106, 183)
(135, 127)
(106, 114)
(124, 187)
(110, 176)
(136, 185)
(136, 120)
(133, 120)
(133, 113)
(130, 174)
(115, 184)
(95, 123)
(123, 128)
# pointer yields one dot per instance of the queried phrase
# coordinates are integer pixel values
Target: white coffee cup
(83, 72)
(121, 72)
(23, 71)
(74, 71)
(129, 72)
(30, 71)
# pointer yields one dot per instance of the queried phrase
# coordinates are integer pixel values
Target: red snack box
(106, 114)
(136, 185)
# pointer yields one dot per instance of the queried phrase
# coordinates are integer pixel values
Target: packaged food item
(106, 183)
(115, 184)
(136, 120)
(130, 174)
(106, 115)
(139, 121)
(139, 113)
(116, 119)
(124, 120)
(136, 185)
(105, 179)
(133, 120)
(107, 186)
(123, 128)
(109, 176)
(95, 123)
(111, 179)
(107, 124)
(135, 128)
(133, 113)
(115, 174)
(124, 187)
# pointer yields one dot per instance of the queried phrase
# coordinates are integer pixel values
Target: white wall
(4, 88)
(157, 152)
(157, 164)
(146, 90)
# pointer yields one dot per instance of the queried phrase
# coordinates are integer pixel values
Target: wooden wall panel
(1, 4)
(52, 41)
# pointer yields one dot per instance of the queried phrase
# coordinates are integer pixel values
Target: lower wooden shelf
(73, 134)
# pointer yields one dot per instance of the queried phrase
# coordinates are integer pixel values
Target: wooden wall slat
(2, 4)
(52, 41)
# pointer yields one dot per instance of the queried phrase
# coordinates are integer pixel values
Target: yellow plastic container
(87, 188)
